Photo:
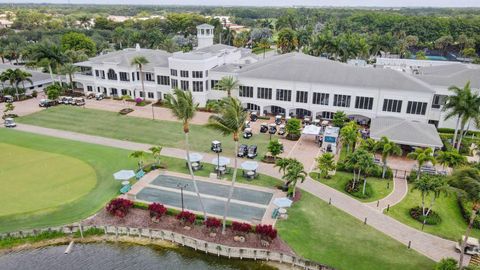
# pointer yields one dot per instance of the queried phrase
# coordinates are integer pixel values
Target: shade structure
(311, 130)
(124, 175)
(249, 165)
(222, 161)
(282, 202)
(195, 157)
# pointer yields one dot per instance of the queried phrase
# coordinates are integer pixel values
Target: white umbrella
(282, 202)
(195, 157)
(249, 165)
(124, 175)
(311, 130)
(223, 161)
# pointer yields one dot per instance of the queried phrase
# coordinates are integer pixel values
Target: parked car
(99, 96)
(281, 130)
(263, 128)
(272, 129)
(10, 123)
(252, 151)
(216, 147)
(242, 150)
(8, 99)
(45, 103)
(278, 119)
(247, 133)
(472, 247)
(253, 116)
(78, 101)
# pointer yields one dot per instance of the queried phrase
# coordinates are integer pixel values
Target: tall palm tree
(282, 164)
(140, 62)
(228, 83)
(69, 69)
(326, 163)
(467, 180)
(140, 155)
(264, 44)
(349, 135)
(471, 112)
(21, 77)
(429, 184)
(455, 106)
(183, 108)
(421, 156)
(387, 148)
(295, 172)
(48, 54)
(366, 163)
(230, 121)
(451, 158)
(156, 151)
(369, 145)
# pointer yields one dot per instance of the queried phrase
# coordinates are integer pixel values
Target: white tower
(205, 35)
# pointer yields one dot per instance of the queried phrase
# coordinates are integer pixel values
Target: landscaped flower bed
(432, 219)
(125, 111)
(357, 191)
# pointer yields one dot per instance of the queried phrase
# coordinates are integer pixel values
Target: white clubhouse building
(293, 84)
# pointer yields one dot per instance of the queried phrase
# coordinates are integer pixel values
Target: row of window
(197, 86)
(185, 73)
(124, 76)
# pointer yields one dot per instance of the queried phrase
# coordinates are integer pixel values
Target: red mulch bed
(139, 218)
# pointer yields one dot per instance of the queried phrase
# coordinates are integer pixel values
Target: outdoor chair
(275, 213)
(139, 174)
(125, 189)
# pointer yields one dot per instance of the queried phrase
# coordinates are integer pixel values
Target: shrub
(293, 128)
(432, 219)
(34, 93)
(465, 209)
(213, 223)
(157, 210)
(358, 190)
(119, 207)
(241, 227)
(447, 264)
(186, 217)
(266, 231)
(374, 171)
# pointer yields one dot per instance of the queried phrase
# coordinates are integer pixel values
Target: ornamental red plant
(241, 227)
(119, 207)
(157, 210)
(266, 231)
(213, 223)
(186, 217)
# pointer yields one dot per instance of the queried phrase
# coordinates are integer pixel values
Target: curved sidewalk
(429, 245)
(400, 189)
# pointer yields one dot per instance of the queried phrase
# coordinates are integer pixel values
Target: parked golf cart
(8, 98)
(216, 147)
(252, 151)
(90, 95)
(471, 248)
(278, 119)
(253, 116)
(246, 125)
(45, 103)
(281, 130)
(306, 120)
(9, 123)
(99, 96)
(316, 122)
(78, 101)
(247, 133)
(242, 150)
(272, 129)
(263, 128)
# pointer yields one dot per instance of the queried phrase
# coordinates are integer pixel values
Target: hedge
(467, 211)
(451, 131)
(375, 172)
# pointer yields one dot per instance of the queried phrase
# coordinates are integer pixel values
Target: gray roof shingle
(449, 75)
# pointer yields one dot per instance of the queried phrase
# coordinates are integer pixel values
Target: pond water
(103, 256)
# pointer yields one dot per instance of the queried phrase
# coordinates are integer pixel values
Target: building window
(392, 105)
(302, 96)
(142, 94)
(364, 103)
(184, 85)
(438, 101)
(124, 77)
(341, 100)
(206, 85)
(173, 72)
(264, 93)
(89, 88)
(174, 84)
(327, 115)
(184, 73)
(133, 76)
(112, 75)
(320, 98)
(284, 95)
(149, 77)
(197, 87)
(97, 73)
(163, 80)
(214, 84)
(415, 107)
(124, 92)
(245, 91)
(197, 74)
(150, 95)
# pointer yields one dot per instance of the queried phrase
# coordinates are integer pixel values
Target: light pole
(218, 164)
(182, 187)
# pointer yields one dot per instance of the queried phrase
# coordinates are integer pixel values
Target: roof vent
(137, 47)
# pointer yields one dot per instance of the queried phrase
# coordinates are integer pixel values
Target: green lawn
(340, 179)
(31, 176)
(452, 226)
(113, 125)
(323, 233)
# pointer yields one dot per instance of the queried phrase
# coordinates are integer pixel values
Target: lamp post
(218, 164)
(182, 187)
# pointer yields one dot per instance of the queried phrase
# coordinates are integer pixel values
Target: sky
(337, 3)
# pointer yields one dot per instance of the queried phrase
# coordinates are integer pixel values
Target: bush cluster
(374, 172)
(357, 191)
(119, 207)
(432, 219)
(241, 227)
(186, 217)
(213, 223)
(157, 210)
(266, 231)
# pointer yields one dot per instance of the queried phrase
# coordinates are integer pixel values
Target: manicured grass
(339, 180)
(39, 181)
(452, 226)
(113, 125)
(325, 234)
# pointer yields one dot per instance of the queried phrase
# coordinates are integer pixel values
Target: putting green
(33, 180)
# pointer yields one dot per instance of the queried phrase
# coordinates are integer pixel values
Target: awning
(124, 175)
(249, 165)
(195, 157)
(311, 130)
(222, 161)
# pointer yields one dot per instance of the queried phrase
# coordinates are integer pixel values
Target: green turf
(325, 234)
(340, 179)
(452, 225)
(38, 181)
(113, 125)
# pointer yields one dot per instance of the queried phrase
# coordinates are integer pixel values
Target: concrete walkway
(400, 189)
(429, 245)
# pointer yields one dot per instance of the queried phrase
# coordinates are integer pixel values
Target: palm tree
(387, 148)
(295, 172)
(230, 121)
(366, 163)
(183, 108)
(15, 77)
(349, 135)
(426, 185)
(282, 164)
(140, 155)
(69, 69)
(471, 112)
(421, 156)
(369, 145)
(156, 150)
(228, 84)
(21, 77)
(49, 54)
(139, 62)
(264, 44)
(451, 158)
(467, 180)
(326, 163)
(455, 106)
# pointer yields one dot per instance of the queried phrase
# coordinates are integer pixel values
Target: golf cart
(272, 129)
(99, 96)
(306, 120)
(216, 147)
(45, 103)
(471, 248)
(252, 151)
(281, 130)
(242, 150)
(263, 128)
(253, 116)
(90, 95)
(278, 119)
(68, 101)
(8, 99)
(78, 101)
(316, 122)
(247, 133)
(247, 125)
(10, 123)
